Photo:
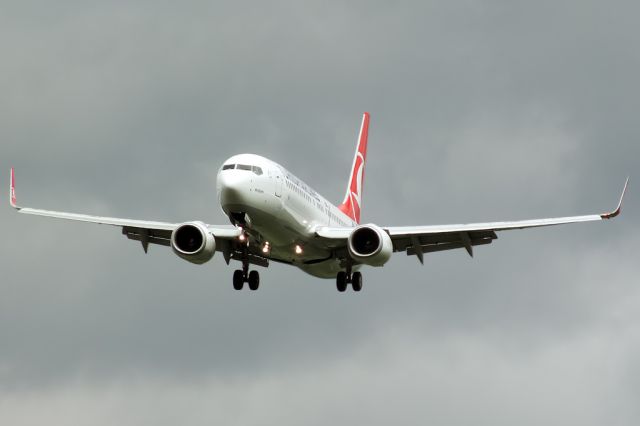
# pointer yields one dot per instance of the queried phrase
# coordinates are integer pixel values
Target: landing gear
(356, 281)
(241, 276)
(341, 281)
(254, 280)
(344, 278)
(238, 279)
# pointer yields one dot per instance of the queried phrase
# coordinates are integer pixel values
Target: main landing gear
(241, 276)
(344, 278)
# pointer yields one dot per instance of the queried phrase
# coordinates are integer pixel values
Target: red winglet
(12, 190)
(352, 204)
(616, 212)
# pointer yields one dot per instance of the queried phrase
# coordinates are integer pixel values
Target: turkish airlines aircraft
(276, 217)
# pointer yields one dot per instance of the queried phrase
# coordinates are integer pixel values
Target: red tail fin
(353, 198)
(12, 190)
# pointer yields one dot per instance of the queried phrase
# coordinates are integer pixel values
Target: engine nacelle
(370, 244)
(193, 242)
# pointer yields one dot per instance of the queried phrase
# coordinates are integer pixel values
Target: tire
(254, 280)
(341, 281)
(356, 281)
(238, 279)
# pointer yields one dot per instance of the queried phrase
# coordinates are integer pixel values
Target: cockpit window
(255, 169)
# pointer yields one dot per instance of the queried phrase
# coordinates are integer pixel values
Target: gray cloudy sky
(481, 110)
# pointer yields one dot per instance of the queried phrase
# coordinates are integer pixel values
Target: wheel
(356, 281)
(254, 280)
(238, 279)
(341, 281)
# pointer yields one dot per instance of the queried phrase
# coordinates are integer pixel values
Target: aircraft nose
(231, 187)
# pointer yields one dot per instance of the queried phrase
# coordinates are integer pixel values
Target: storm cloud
(481, 110)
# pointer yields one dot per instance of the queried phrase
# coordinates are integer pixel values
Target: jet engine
(370, 244)
(193, 242)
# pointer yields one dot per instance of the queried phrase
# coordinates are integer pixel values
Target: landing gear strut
(344, 278)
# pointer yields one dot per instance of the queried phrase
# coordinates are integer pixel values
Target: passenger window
(228, 166)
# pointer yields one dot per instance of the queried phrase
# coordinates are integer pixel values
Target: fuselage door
(276, 178)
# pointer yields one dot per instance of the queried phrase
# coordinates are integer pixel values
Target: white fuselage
(280, 211)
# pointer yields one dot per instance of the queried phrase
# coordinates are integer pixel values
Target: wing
(145, 231)
(417, 240)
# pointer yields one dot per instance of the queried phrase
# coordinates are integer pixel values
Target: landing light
(266, 247)
(298, 249)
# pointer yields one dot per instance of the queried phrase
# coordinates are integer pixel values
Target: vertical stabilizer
(352, 203)
(12, 190)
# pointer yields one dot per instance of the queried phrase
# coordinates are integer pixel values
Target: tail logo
(352, 204)
(12, 189)
(357, 191)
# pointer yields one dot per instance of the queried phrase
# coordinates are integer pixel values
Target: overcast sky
(480, 110)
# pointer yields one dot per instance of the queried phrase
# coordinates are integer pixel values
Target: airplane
(276, 217)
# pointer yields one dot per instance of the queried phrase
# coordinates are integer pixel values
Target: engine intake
(370, 244)
(193, 242)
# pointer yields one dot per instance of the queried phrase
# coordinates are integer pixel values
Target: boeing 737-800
(276, 217)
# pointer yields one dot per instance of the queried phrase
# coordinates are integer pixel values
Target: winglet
(616, 212)
(12, 190)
